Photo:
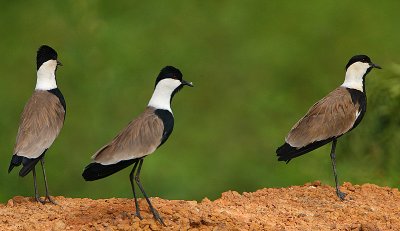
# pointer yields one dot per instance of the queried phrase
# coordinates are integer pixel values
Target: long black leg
(340, 194)
(133, 190)
(152, 209)
(37, 197)
(45, 183)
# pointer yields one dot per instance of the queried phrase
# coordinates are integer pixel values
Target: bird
(141, 137)
(41, 120)
(331, 117)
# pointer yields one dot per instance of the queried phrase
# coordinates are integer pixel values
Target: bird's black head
(44, 54)
(362, 59)
(170, 72)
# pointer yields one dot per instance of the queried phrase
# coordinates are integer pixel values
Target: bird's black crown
(358, 58)
(169, 72)
(44, 54)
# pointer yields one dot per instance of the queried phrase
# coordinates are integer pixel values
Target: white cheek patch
(354, 75)
(161, 98)
(46, 76)
(168, 84)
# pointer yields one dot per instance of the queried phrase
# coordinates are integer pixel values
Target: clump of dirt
(309, 207)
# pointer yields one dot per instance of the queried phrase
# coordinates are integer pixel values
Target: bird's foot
(340, 194)
(138, 215)
(50, 200)
(37, 198)
(157, 217)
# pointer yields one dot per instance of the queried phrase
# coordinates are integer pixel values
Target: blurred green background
(257, 67)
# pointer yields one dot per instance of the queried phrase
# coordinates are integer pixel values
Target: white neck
(354, 76)
(161, 98)
(46, 76)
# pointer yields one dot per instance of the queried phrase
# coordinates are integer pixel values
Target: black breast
(168, 121)
(358, 97)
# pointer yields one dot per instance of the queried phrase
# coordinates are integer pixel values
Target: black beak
(184, 82)
(59, 63)
(375, 65)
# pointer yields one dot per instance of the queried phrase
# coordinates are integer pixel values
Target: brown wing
(141, 137)
(41, 122)
(330, 117)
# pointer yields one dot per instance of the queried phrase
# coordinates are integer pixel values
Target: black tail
(27, 164)
(95, 171)
(15, 162)
(287, 152)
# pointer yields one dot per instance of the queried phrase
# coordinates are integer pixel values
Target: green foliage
(257, 67)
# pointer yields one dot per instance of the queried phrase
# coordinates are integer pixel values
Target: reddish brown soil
(308, 207)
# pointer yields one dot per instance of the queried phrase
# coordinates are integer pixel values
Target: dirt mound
(309, 207)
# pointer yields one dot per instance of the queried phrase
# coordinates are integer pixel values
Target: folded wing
(326, 120)
(141, 137)
(330, 117)
(41, 122)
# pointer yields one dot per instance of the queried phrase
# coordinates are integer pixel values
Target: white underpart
(354, 75)
(161, 98)
(46, 76)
